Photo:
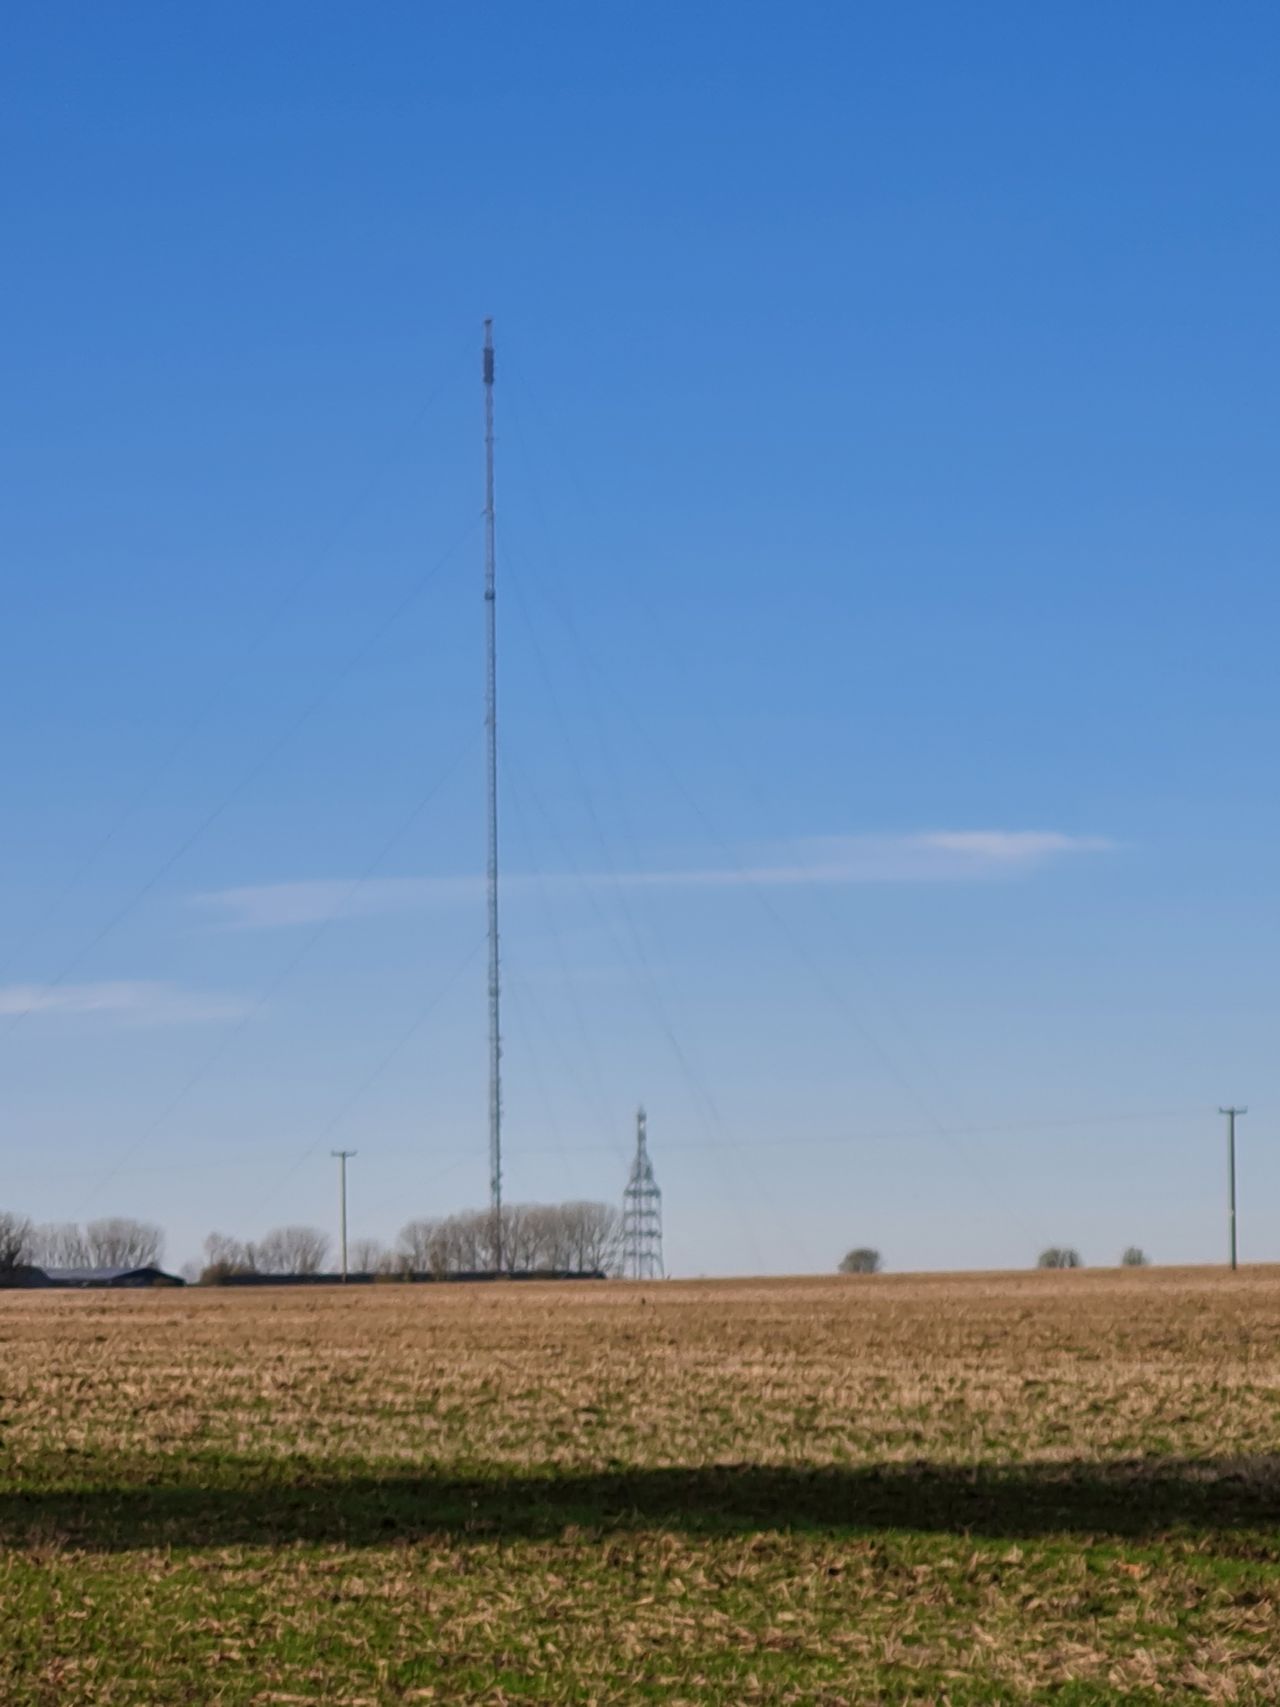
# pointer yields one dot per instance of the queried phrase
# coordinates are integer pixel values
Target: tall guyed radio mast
(491, 780)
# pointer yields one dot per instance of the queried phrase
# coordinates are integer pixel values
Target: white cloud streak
(935, 856)
(127, 1003)
(314, 901)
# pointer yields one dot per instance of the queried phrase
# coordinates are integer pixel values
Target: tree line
(116, 1241)
(575, 1237)
(578, 1236)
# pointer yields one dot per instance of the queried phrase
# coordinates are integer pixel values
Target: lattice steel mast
(491, 778)
(642, 1214)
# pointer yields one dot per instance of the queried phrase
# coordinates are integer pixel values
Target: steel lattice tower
(642, 1215)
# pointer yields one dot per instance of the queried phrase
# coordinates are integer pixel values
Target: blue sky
(887, 435)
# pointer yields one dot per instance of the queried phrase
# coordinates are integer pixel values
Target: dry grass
(995, 1488)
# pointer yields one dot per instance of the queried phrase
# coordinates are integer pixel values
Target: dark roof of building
(419, 1277)
(101, 1275)
(109, 1276)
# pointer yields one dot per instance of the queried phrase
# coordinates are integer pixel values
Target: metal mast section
(491, 780)
(642, 1214)
(1232, 1114)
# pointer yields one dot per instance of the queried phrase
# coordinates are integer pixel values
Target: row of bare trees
(116, 1241)
(536, 1237)
(284, 1250)
(577, 1237)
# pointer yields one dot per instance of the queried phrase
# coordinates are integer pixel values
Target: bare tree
(59, 1244)
(462, 1244)
(545, 1237)
(15, 1241)
(119, 1242)
(519, 1237)
(366, 1256)
(862, 1260)
(566, 1236)
(232, 1255)
(292, 1250)
(225, 1256)
(1059, 1256)
(420, 1246)
(471, 1241)
(593, 1236)
(540, 1238)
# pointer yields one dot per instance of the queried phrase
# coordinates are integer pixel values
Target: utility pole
(1231, 1114)
(491, 779)
(342, 1158)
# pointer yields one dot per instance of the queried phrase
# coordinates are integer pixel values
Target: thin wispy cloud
(126, 1002)
(312, 901)
(934, 856)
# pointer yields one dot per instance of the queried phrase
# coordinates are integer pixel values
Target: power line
(214, 697)
(596, 1091)
(651, 612)
(833, 991)
(371, 1078)
(520, 1008)
(637, 959)
(913, 1134)
(277, 981)
(835, 994)
(245, 781)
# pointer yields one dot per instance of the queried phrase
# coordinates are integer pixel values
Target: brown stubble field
(966, 1489)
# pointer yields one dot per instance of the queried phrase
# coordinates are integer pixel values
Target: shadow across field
(235, 1504)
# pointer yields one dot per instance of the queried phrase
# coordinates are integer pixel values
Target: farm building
(83, 1279)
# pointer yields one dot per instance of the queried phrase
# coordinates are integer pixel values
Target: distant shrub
(225, 1257)
(1135, 1257)
(1059, 1256)
(862, 1261)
